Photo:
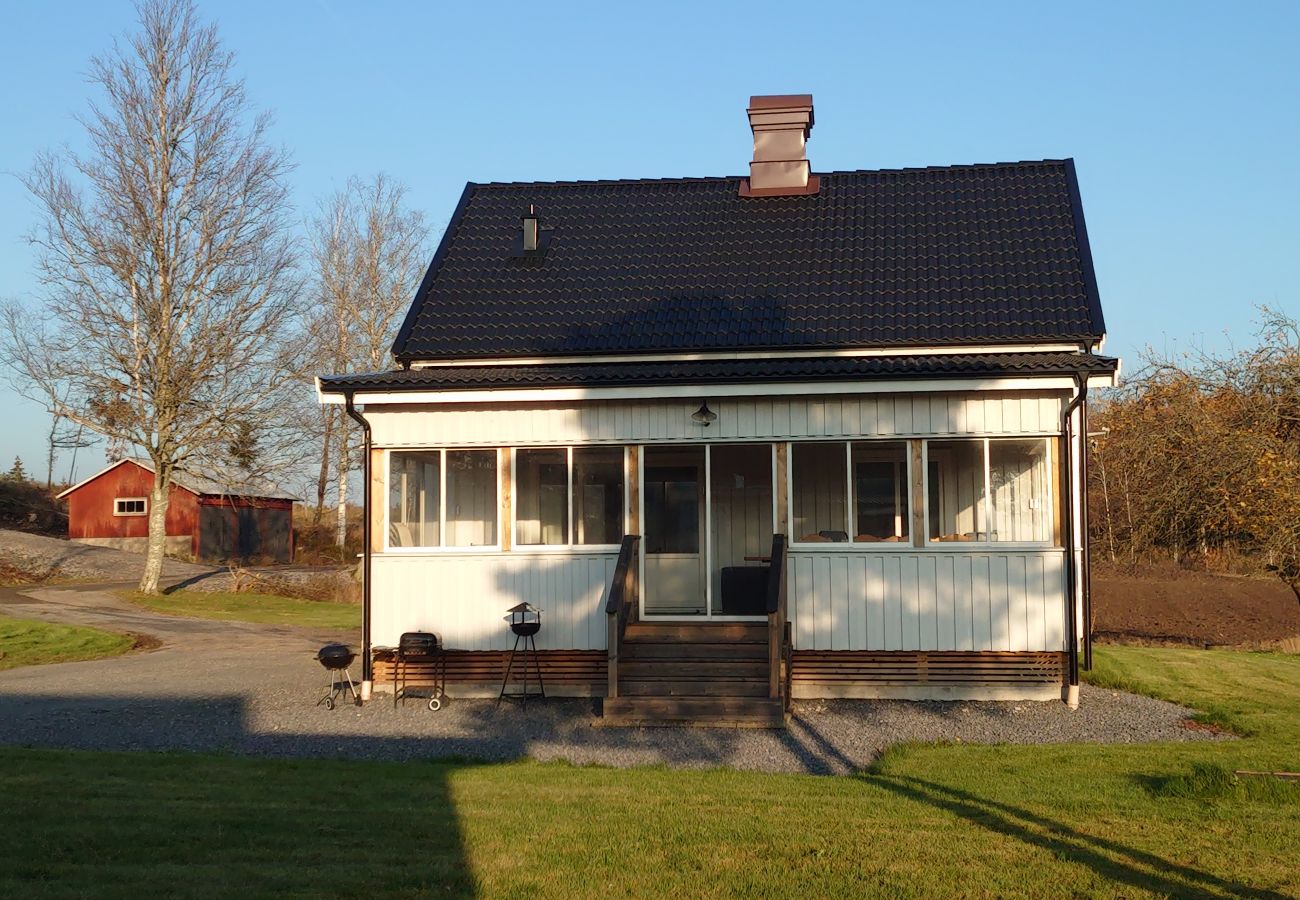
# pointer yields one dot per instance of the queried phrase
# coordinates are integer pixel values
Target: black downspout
(1087, 556)
(1067, 534)
(366, 673)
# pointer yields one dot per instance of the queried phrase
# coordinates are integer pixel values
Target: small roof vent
(781, 124)
(532, 240)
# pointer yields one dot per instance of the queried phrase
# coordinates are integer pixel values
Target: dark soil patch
(1176, 606)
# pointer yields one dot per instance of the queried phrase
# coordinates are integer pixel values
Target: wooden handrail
(776, 616)
(624, 596)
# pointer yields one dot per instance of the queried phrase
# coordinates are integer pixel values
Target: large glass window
(471, 514)
(956, 486)
(988, 490)
(568, 496)
(414, 507)
(1018, 477)
(598, 494)
(880, 486)
(820, 492)
(541, 497)
(419, 515)
(850, 492)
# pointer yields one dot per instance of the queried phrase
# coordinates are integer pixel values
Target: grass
(1083, 820)
(27, 642)
(265, 609)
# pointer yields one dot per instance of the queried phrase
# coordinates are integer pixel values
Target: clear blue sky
(1184, 117)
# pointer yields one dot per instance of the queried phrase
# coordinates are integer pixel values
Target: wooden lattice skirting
(950, 675)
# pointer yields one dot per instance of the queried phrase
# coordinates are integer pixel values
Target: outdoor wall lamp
(704, 416)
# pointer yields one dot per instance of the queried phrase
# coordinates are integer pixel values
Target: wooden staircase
(694, 673)
(722, 674)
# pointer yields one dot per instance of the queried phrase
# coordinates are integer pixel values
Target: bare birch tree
(369, 252)
(165, 258)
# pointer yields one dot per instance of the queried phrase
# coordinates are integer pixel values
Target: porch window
(987, 490)
(442, 498)
(850, 492)
(568, 496)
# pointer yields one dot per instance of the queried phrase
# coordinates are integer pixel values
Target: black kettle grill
(338, 658)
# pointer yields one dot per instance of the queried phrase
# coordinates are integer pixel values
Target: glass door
(673, 495)
(708, 521)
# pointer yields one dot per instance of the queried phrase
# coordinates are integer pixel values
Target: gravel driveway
(251, 689)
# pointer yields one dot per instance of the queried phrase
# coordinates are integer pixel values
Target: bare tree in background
(369, 252)
(165, 256)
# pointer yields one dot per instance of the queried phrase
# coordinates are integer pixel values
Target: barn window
(992, 489)
(850, 492)
(566, 496)
(130, 506)
(442, 498)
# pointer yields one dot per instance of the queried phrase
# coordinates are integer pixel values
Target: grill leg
(505, 679)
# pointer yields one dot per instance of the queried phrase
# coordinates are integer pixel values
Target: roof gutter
(1072, 575)
(367, 674)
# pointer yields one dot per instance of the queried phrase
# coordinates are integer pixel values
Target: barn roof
(202, 484)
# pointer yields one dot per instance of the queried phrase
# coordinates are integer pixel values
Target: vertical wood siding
(928, 600)
(761, 418)
(464, 597)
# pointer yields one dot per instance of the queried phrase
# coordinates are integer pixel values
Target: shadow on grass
(1109, 859)
(150, 824)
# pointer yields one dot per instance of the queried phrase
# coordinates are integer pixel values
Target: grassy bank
(1152, 820)
(27, 642)
(266, 609)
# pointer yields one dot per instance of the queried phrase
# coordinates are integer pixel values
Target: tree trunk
(323, 480)
(157, 548)
(341, 527)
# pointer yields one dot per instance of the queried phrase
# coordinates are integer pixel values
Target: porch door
(708, 521)
(673, 496)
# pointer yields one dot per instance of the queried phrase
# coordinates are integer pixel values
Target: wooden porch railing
(624, 596)
(776, 617)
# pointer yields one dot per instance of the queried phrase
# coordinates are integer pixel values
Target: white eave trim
(949, 350)
(683, 391)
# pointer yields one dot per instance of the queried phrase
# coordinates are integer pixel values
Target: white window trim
(119, 500)
(441, 549)
(572, 546)
(850, 546)
(988, 544)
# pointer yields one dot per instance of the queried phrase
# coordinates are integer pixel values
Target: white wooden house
(743, 439)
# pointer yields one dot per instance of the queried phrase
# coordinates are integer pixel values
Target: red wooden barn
(207, 520)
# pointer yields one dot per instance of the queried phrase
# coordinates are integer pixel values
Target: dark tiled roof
(911, 257)
(733, 371)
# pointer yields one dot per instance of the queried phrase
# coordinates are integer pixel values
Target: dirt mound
(1176, 606)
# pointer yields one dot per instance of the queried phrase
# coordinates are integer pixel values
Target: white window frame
(572, 546)
(441, 548)
(118, 511)
(900, 546)
(988, 543)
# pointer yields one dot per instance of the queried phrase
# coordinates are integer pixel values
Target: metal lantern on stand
(525, 621)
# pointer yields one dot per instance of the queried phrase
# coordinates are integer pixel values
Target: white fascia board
(683, 391)
(764, 354)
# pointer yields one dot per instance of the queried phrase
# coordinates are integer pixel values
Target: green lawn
(1132, 821)
(26, 642)
(265, 609)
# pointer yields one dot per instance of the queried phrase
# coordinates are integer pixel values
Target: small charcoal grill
(420, 646)
(337, 660)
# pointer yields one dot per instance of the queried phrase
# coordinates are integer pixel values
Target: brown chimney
(781, 125)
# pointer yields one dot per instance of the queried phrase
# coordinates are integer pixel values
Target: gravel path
(245, 689)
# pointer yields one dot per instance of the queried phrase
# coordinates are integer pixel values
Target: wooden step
(715, 712)
(649, 650)
(701, 669)
(696, 632)
(692, 687)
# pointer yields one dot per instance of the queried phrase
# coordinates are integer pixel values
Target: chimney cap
(779, 101)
